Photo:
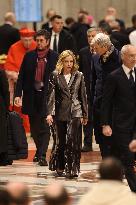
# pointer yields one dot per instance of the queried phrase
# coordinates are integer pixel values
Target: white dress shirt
(127, 71)
(67, 78)
(52, 39)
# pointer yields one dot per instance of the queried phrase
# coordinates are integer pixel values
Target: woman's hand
(84, 121)
(49, 119)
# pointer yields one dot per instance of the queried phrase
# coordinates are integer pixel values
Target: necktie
(55, 43)
(131, 78)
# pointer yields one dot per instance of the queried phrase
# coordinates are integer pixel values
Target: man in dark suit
(60, 38)
(33, 81)
(85, 66)
(118, 115)
(106, 61)
(8, 33)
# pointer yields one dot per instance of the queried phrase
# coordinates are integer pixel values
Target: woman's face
(68, 63)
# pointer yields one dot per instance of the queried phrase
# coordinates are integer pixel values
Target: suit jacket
(66, 42)
(79, 31)
(46, 26)
(122, 38)
(4, 103)
(26, 81)
(119, 102)
(67, 101)
(85, 66)
(8, 36)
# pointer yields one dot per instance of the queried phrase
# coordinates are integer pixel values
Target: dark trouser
(103, 141)
(120, 150)
(41, 134)
(88, 133)
(88, 129)
(69, 146)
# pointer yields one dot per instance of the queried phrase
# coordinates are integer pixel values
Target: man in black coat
(107, 61)
(8, 33)
(33, 79)
(60, 38)
(79, 31)
(4, 103)
(86, 67)
(118, 115)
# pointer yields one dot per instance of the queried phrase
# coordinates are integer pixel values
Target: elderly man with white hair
(106, 61)
(118, 111)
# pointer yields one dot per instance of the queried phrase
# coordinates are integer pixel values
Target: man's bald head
(19, 192)
(56, 194)
(5, 197)
(111, 169)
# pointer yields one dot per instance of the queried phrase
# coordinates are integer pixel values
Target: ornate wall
(97, 8)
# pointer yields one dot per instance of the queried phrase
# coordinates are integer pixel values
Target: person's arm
(20, 82)
(11, 65)
(5, 88)
(51, 100)
(132, 145)
(106, 106)
(83, 99)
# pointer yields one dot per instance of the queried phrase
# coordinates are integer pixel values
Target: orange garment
(16, 54)
(12, 67)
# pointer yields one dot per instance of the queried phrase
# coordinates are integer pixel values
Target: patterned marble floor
(37, 177)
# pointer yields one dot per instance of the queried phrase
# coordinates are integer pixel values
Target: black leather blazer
(66, 101)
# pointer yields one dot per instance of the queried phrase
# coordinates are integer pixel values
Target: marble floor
(37, 177)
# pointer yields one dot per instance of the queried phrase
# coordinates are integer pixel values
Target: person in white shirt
(60, 38)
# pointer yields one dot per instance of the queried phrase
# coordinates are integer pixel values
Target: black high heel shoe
(59, 172)
(71, 176)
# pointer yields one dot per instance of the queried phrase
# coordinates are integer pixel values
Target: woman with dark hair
(4, 104)
(67, 109)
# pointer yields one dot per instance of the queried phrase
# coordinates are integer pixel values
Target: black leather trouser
(69, 147)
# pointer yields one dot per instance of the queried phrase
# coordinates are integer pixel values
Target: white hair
(125, 48)
(102, 40)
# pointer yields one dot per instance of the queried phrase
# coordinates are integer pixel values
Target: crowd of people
(63, 77)
(110, 190)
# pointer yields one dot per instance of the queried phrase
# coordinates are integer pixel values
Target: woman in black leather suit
(67, 109)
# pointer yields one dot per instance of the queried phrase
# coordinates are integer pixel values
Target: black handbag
(17, 140)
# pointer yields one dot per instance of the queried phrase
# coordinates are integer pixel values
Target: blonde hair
(62, 56)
